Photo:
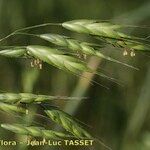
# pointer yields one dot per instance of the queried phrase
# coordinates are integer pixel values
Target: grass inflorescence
(70, 55)
(74, 60)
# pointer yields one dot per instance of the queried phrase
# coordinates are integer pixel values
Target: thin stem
(37, 26)
(6, 37)
(28, 28)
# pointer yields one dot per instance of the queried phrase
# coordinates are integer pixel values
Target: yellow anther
(35, 62)
(125, 53)
(38, 61)
(40, 66)
(32, 64)
(132, 53)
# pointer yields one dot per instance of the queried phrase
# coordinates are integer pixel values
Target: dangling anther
(125, 53)
(32, 64)
(40, 66)
(35, 62)
(132, 53)
(38, 61)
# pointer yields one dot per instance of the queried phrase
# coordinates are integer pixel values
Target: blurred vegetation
(119, 116)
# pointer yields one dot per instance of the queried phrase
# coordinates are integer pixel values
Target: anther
(40, 66)
(35, 62)
(38, 61)
(125, 53)
(132, 53)
(32, 64)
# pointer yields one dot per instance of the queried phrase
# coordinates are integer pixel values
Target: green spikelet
(67, 122)
(17, 52)
(11, 108)
(35, 131)
(94, 27)
(28, 98)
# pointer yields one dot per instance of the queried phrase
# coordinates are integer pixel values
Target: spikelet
(28, 98)
(67, 122)
(36, 131)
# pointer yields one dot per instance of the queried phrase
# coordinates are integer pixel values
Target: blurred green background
(119, 116)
